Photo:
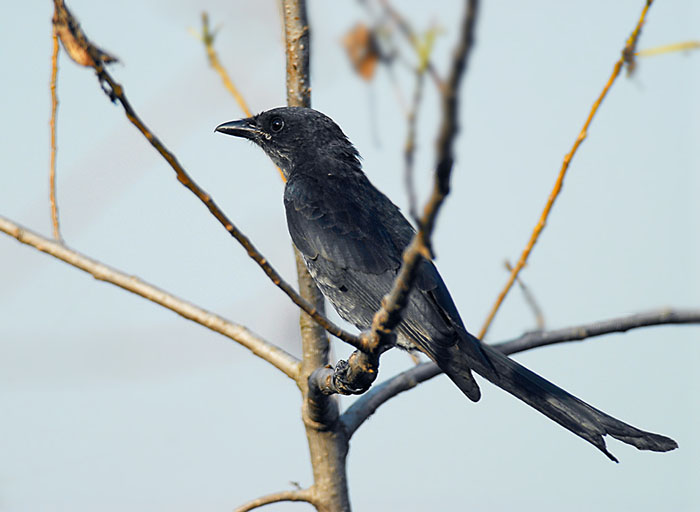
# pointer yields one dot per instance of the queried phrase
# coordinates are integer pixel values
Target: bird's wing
(356, 238)
(353, 238)
(332, 221)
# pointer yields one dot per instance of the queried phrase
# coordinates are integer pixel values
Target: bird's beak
(242, 128)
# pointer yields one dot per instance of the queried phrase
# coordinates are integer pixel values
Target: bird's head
(294, 136)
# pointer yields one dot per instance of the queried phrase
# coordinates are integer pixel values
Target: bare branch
(366, 405)
(208, 40)
(685, 46)
(410, 145)
(295, 495)
(529, 299)
(328, 445)
(356, 375)
(116, 93)
(410, 35)
(52, 126)
(664, 316)
(420, 247)
(274, 355)
(626, 57)
(203, 196)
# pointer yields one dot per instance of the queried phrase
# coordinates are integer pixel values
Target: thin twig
(294, 495)
(410, 145)
(52, 125)
(420, 247)
(664, 316)
(367, 404)
(529, 299)
(116, 93)
(285, 362)
(626, 57)
(685, 46)
(208, 40)
(203, 196)
(357, 374)
(410, 35)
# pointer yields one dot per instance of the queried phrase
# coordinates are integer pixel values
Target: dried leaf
(75, 42)
(362, 50)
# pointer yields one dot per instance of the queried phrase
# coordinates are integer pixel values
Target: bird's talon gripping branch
(356, 375)
(352, 377)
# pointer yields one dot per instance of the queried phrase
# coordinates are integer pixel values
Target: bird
(352, 238)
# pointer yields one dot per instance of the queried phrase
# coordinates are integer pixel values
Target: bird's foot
(351, 377)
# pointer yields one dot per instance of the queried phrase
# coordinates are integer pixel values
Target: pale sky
(109, 402)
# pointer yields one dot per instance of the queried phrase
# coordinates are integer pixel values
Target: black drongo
(352, 237)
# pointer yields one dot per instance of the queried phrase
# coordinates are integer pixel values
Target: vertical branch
(296, 38)
(328, 444)
(52, 124)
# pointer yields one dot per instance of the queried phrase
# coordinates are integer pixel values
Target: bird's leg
(356, 375)
(351, 377)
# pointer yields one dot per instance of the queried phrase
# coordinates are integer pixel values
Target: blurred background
(109, 402)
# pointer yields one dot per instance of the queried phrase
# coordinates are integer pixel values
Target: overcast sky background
(109, 402)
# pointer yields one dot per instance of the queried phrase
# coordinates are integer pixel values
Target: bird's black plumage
(352, 238)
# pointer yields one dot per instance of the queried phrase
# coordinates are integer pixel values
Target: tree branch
(411, 37)
(420, 247)
(116, 93)
(626, 57)
(52, 127)
(410, 144)
(207, 37)
(664, 316)
(366, 405)
(356, 375)
(294, 495)
(328, 444)
(274, 355)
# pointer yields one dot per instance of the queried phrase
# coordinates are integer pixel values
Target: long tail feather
(564, 408)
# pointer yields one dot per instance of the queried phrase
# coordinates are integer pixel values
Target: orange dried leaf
(362, 50)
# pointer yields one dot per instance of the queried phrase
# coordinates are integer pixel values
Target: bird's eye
(276, 125)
